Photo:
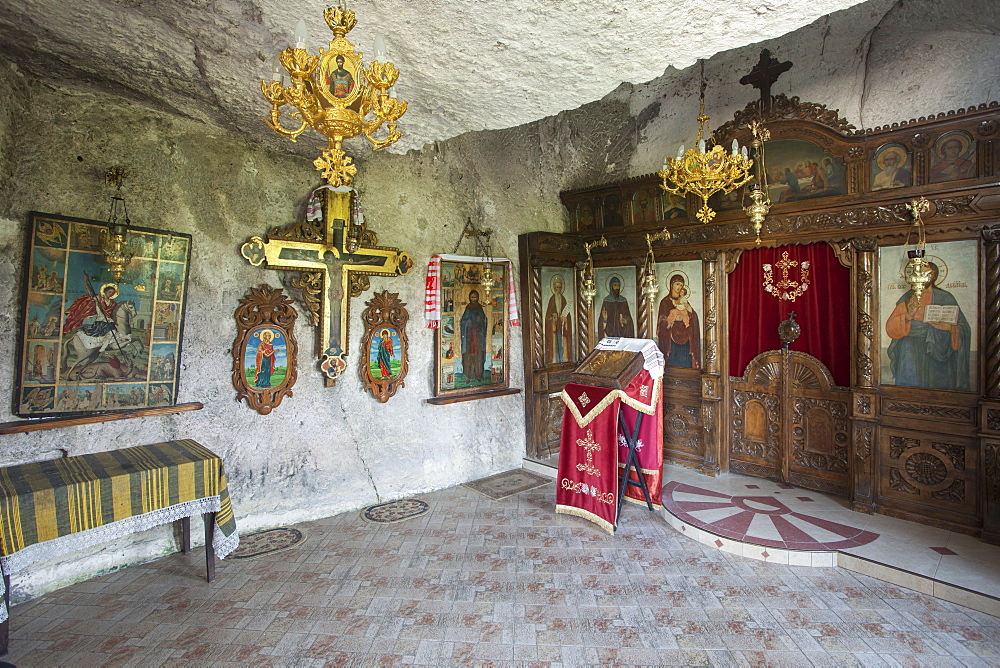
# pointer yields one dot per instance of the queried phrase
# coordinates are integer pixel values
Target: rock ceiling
(466, 64)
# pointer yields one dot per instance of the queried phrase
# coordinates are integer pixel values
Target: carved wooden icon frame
(265, 353)
(384, 348)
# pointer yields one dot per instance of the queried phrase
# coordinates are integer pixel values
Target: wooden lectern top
(613, 369)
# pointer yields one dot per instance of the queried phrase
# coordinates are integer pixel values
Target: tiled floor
(482, 582)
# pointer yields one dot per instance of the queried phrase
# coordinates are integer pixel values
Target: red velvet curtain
(823, 311)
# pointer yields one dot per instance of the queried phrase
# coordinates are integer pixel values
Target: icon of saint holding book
(931, 340)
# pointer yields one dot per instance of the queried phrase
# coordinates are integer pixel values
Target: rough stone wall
(325, 451)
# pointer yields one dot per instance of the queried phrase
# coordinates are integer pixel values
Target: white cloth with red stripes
(432, 288)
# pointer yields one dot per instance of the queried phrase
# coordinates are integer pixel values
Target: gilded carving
(988, 127)
(310, 283)
(866, 325)
(865, 283)
(783, 107)
(843, 251)
(866, 367)
(921, 140)
(865, 244)
(711, 353)
(954, 207)
(358, 284)
(708, 386)
(955, 413)
(732, 257)
(864, 405)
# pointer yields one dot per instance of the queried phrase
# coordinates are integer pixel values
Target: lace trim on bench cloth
(56, 547)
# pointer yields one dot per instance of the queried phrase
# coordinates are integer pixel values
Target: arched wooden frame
(384, 316)
(261, 310)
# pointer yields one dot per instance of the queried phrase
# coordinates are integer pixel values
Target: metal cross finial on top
(764, 73)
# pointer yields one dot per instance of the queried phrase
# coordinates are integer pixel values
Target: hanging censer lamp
(918, 271)
(761, 201)
(335, 94)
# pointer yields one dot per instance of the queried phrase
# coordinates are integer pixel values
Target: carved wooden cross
(764, 73)
(335, 260)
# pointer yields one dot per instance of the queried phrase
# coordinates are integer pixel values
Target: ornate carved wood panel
(930, 474)
(551, 426)
(790, 422)
(683, 426)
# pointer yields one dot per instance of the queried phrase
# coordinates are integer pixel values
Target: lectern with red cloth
(620, 385)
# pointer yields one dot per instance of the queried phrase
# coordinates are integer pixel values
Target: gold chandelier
(705, 172)
(336, 95)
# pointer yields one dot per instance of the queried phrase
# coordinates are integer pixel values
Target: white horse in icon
(82, 348)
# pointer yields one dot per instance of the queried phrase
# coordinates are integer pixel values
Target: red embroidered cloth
(593, 449)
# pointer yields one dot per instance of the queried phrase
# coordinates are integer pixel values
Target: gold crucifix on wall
(335, 257)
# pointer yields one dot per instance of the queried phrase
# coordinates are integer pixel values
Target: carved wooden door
(790, 422)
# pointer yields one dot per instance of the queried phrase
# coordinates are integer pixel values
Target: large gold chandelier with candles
(336, 95)
(707, 170)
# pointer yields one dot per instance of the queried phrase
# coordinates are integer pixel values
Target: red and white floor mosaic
(760, 519)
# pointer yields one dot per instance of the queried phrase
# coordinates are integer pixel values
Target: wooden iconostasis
(873, 403)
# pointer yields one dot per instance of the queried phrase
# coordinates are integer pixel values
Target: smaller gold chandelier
(589, 287)
(758, 210)
(918, 270)
(114, 237)
(649, 282)
(335, 95)
(705, 172)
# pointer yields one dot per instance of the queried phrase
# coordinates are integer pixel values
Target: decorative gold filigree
(337, 96)
(590, 445)
(786, 288)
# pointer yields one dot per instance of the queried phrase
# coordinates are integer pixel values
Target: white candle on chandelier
(701, 146)
(744, 151)
(680, 152)
(277, 71)
(380, 54)
(301, 34)
(736, 147)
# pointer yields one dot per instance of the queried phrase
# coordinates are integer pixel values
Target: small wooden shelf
(440, 401)
(24, 426)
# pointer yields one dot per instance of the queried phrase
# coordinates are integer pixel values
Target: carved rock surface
(465, 65)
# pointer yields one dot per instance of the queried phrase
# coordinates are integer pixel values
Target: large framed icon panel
(92, 344)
